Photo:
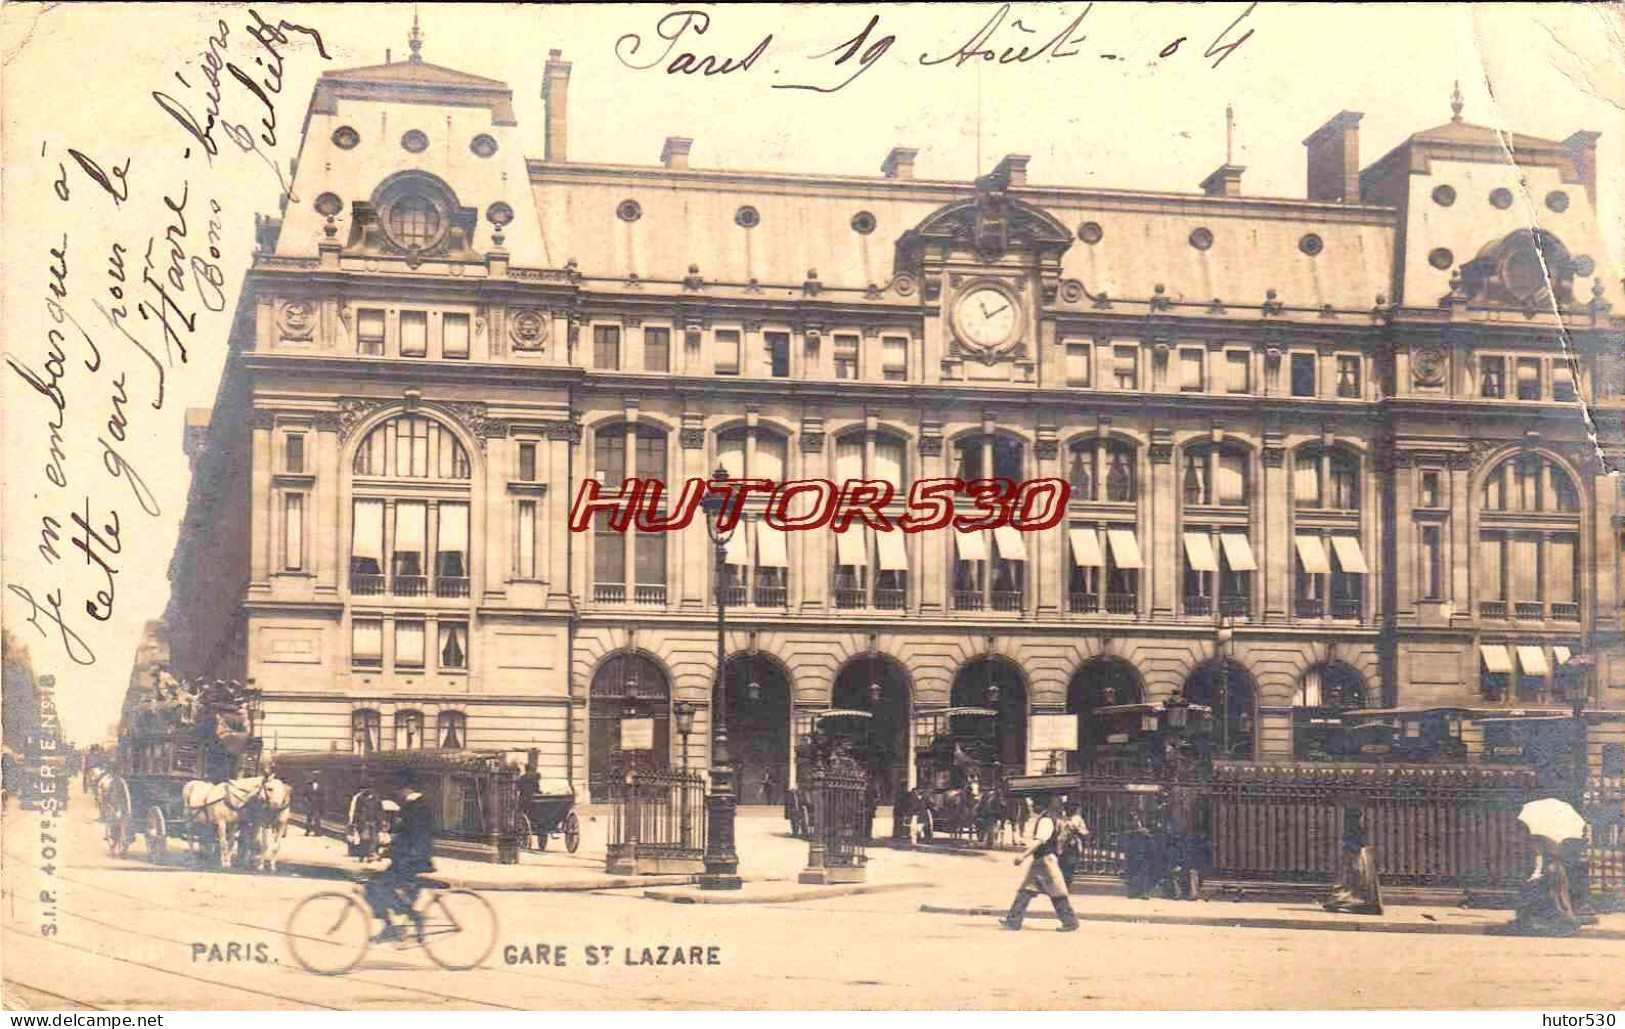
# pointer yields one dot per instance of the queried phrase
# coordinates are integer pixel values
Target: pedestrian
(1075, 829)
(313, 805)
(767, 785)
(1044, 876)
(1358, 891)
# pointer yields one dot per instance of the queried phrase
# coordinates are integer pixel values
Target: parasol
(1553, 819)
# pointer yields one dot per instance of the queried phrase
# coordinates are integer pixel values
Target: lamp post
(684, 712)
(1225, 634)
(721, 861)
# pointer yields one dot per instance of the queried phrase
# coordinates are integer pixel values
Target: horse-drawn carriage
(958, 789)
(546, 807)
(838, 738)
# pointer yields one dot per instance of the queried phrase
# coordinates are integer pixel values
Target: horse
(270, 817)
(225, 806)
(365, 829)
(956, 812)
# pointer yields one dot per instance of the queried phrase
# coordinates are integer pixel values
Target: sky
(77, 93)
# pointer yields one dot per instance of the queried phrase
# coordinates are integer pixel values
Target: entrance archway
(1325, 692)
(758, 727)
(1100, 682)
(889, 727)
(974, 686)
(1228, 688)
(625, 686)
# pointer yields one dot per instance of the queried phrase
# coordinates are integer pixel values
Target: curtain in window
(1308, 690)
(1232, 478)
(411, 531)
(848, 459)
(367, 639)
(1190, 369)
(364, 730)
(889, 462)
(1080, 473)
(367, 537)
(409, 643)
(1560, 554)
(1120, 476)
(408, 730)
(731, 453)
(1077, 364)
(453, 730)
(770, 457)
(454, 335)
(1235, 368)
(1306, 477)
(894, 355)
(453, 645)
(414, 333)
(1491, 556)
(1524, 566)
(452, 555)
(525, 545)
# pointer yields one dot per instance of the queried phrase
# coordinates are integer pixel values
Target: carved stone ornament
(1071, 291)
(529, 330)
(692, 439)
(328, 421)
(1273, 457)
(1162, 453)
(812, 442)
(930, 446)
(356, 409)
(1047, 449)
(1428, 364)
(568, 432)
(296, 319)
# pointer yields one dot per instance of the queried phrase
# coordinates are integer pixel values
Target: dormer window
(414, 222)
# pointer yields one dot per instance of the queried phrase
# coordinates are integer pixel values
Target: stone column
(1046, 549)
(553, 534)
(693, 545)
(262, 549)
(932, 550)
(1161, 547)
(816, 560)
(1276, 544)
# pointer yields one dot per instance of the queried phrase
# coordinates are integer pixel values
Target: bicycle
(329, 933)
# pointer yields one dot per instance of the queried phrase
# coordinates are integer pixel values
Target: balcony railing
(1310, 607)
(772, 596)
(1235, 604)
(642, 594)
(1078, 603)
(850, 599)
(451, 586)
(891, 600)
(1565, 612)
(365, 585)
(734, 596)
(1492, 609)
(1198, 605)
(1122, 603)
(609, 592)
(411, 585)
(1007, 600)
(1533, 612)
(968, 600)
(1348, 608)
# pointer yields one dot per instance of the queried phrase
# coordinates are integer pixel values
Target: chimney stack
(899, 164)
(1334, 159)
(1582, 147)
(1225, 181)
(1013, 169)
(674, 154)
(555, 104)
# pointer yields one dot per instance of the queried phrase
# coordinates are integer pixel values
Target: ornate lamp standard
(1222, 659)
(721, 862)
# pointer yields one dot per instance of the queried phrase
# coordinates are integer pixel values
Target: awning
(1312, 555)
(1086, 548)
(1533, 660)
(849, 548)
(738, 550)
(1348, 554)
(1238, 552)
(970, 545)
(1496, 658)
(1125, 548)
(1008, 539)
(771, 551)
(893, 551)
(1199, 549)
(1562, 654)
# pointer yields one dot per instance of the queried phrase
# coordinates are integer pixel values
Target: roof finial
(1229, 134)
(415, 40)
(1455, 103)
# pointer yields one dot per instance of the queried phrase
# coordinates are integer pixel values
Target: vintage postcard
(951, 506)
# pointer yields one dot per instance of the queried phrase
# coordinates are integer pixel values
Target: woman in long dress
(1358, 892)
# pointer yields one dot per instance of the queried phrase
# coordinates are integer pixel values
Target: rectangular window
(657, 350)
(1190, 371)
(1432, 492)
(777, 345)
(454, 337)
(524, 552)
(609, 553)
(369, 332)
(367, 546)
(411, 531)
(527, 462)
(649, 559)
(606, 347)
(367, 642)
(414, 334)
(1432, 563)
(846, 357)
(293, 453)
(451, 551)
(1528, 378)
(1563, 381)
(1492, 376)
(293, 531)
(727, 351)
(1348, 377)
(1077, 364)
(408, 644)
(1126, 367)
(1237, 371)
(452, 645)
(894, 354)
(1303, 375)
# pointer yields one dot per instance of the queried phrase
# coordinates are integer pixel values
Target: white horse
(224, 805)
(272, 817)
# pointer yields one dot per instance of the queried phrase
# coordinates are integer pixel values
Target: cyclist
(411, 846)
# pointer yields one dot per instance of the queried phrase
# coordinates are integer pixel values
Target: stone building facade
(1345, 434)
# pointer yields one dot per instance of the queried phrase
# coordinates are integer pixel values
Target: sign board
(637, 734)
(1054, 732)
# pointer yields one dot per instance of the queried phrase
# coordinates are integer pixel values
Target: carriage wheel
(541, 840)
(572, 832)
(157, 836)
(526, 829)
(115, 800)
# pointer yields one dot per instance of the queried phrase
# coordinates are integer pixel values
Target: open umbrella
(1554, 819)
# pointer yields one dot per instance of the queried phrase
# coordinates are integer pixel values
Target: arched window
(767, 460)
(1102, 470)
(630, 565)
(414, 221)
(409, 730)
(1327, 478)
(420, 539)
(1215, 476)
(411, 447)
(452, 730)
(1323, 694)
(1529, 542)
(1531, 483)
(980, 456)
(365, 727)
(610, 445)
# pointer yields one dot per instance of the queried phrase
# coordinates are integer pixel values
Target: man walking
(313, 805)
(1049, 836)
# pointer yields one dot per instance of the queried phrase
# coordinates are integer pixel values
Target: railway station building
(1350, 449)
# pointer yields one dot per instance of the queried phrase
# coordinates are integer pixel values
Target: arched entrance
(627, 685)
(758, 727)
(1325, 692)
(889, 727)
(1100, 682)
(996, 682)
(1228, 688)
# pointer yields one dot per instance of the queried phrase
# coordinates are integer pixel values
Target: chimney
(1582, 146)
(1334, 159)
(675, 153)
(555, 106)
(1013, 169)
(1225, 181)
(899, 164)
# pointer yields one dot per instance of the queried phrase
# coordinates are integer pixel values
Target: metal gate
(840, 817)
(656, 823)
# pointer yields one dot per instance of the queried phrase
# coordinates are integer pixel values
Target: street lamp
(721, 861)
(1225, 634)
(684, 712)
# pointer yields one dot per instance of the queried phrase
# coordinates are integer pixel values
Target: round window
(1441, 258)
(1524, 273)
(1584, 266)
(414, 222)
(499, 214)
(345, 138)
(747, 217)
(863, 223)
(1557, 201)
(629, 211)
(1201, 239)
(329, 204)
(1444, 196)
(414, 142)
(1090, 232)
(483, 145)
(1501, 198)
(1311, 244)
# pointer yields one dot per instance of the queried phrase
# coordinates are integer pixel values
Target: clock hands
(990, 314)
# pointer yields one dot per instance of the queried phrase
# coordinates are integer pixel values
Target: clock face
(987, 318)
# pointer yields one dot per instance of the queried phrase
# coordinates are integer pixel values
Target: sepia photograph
(813, 507)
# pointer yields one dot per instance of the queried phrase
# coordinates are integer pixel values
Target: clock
(987, 318)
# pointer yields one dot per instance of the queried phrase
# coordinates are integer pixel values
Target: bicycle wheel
(458, 930)
(328, 933)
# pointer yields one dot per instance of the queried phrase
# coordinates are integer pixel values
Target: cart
(548, 811)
